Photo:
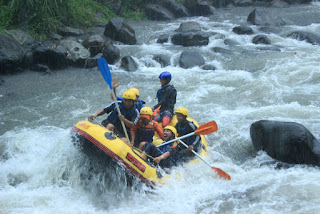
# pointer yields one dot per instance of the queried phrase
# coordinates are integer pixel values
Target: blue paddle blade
(105, 71)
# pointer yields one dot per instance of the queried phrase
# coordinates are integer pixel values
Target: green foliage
(42, 17)
(132, 9)
(5, 17)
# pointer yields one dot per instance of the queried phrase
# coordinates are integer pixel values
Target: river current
(42, 172)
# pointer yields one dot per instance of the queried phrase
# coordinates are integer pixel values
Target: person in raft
(129, 115)
(143, 131)
(183, 127)
(166, 155)
(166, 96)
(139, 103)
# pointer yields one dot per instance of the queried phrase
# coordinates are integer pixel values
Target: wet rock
(111, 53)
(119, 30)
(53, 57)
(163, 60)
(163, 39)
(158, 12)
(242, 30)
(11, 54)
(190, 39)
(178, 10)
(77, 53)
(261, 39)
(189, 34)
(286, 141)
(41, 68)
(94, 44)
(91, 62)
(265, 18)
(128, 64)
(231, 42)
(221, 50)
(198, 7)
(68, 31)
(208, 67)
(189, 27)
(305, 36)
(191, 59)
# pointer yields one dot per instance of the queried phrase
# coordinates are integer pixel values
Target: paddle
(204, 129)
(105, 71)
(155, 111)
(222, 173)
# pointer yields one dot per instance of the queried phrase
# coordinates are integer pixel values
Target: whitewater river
(42, 172)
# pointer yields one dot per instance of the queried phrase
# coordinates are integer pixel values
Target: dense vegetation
(42, 17)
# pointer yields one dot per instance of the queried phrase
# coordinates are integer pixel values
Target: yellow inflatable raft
(93, 135)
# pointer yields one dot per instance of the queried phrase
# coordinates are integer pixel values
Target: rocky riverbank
(81, 48)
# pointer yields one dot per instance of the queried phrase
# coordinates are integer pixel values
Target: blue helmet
(165, 76)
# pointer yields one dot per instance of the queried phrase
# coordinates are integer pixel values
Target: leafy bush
(42, 17)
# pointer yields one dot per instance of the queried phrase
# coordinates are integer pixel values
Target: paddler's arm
(100, 112)
(127, 122)
(158, 129)
(133, 133)
(161, 157)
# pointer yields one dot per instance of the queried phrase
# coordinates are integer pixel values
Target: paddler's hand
(122, 118)
(115, 82)
(157, 159)
(91, 117)
(190, 148)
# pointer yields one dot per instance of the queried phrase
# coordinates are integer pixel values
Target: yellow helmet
(146, 110)
(182, 111)
(135, 90)
(129, 95)
(172, 129)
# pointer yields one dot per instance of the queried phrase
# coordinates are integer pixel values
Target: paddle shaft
(220, 172)
(119, 113)
(195, 153)
(178, 138)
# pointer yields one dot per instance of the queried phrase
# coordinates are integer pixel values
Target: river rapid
(41, 171)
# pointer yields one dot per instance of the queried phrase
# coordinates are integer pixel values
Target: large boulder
(190, 39)
(129, 64)
(190, 34)
(11, 54)
(173, 6)
(242, 30)
(94, 44)
(191, 59)
(198, 7)
(111, 53)
(53, 57)
(189, 27)
(121, 31)
(305, 36)
(77, 53)
(261, 39)
(286, 141)
(262, 17)
(158, 12)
